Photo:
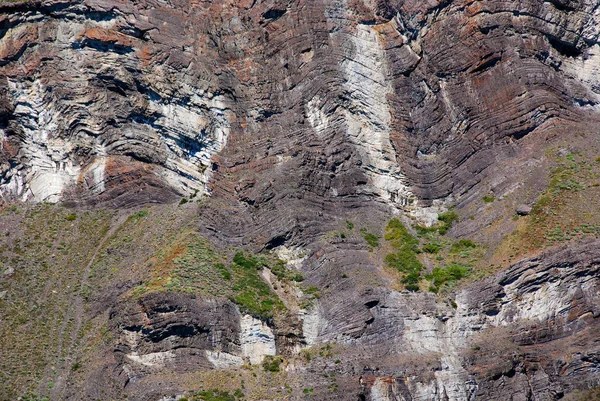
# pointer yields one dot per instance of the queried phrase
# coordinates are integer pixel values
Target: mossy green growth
(405, 258)
(271, 364)
(71, 217)
(191, 265)
(371, 239)
(214, 395)
(139, 214)
(432, 247)
(251, 293)
(446, 276)
(446, 219)
(462, 245)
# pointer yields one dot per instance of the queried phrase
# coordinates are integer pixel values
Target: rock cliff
(199, 199)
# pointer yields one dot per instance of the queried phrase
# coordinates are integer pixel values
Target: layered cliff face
(280, 138)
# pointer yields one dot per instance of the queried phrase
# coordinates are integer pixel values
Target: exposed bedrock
(402, 102)
(528, 332)
(289, 117)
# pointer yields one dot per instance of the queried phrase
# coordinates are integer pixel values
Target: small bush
(371, 239)
(488, 198)
(271, 364)
(447, 219)
(71, 217)
(432, 248)
(422, 230)
(462, 245)
(349, 225)
(298, 277)
(250, 262)
(405, 258)
(252, 294)
(450, 274)
(221, 268)
(213, 395)
(139, 214)
(183, 201)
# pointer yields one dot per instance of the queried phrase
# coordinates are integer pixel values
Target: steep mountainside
(302, 199)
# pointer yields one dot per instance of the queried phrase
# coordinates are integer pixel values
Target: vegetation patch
(272, 363)
(566, 210)
(404, 259)
(191, 265)
(214, 395)
(46, 252)
(370, 238)
(462, 245)
(250, 292)
(432, 247)
(454, 260)
(447, 275)
(446, 219)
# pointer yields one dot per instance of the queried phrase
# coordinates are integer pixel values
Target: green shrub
(371, 239)
(450, 274)
(250, 262)
(349, 225)
(213, 395)
(398, 235)
(462, 245)
(405, 261)
(308, 391)
(447, 219)
(423, 231)
(488, 198)
(432, 248)
(71, 217)
(139, 214)
(271, 364)
(312, 291)
(252, 294)
(221, 268)
(298, 277)
(405, 258)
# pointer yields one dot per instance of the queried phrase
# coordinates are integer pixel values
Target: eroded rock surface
(287, 118)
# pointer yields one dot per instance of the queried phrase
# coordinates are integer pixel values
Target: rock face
(285, 119)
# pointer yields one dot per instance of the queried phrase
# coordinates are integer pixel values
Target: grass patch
(214, 395)
(432, 248)
(189, 264)
(446, 276)
(405, 258)
(462, 245)
(446, 219)
(139, 214)
(71, 217)
(272, 364)
(567, 209)
(371, 239)
(253, 295)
